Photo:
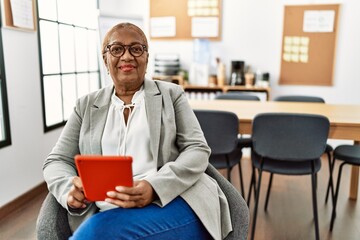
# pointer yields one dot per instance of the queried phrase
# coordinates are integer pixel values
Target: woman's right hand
(76, 198)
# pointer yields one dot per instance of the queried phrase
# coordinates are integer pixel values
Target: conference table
(344, 120)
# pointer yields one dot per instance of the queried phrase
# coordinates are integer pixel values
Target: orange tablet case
(100, 174)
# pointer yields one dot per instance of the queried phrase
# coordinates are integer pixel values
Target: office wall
(21, 163)
(252, 32)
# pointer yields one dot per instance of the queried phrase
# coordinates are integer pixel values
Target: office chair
(221, 130)
(299, 98)
(244, 142)
(349, 154)
(237, 96)
(288, 144)
(329, 149)
(52, 222)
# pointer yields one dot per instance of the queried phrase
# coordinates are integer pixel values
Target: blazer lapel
(98, 115)
(153, 101)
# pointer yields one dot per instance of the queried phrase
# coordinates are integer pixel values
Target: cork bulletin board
(308, 44)
(19, 15)
(185, 19)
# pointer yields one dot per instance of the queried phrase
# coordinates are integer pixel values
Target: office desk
(344, 119)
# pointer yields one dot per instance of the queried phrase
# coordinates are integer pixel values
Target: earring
(108, 71)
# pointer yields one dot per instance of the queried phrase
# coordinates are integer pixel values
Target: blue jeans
(174, 221)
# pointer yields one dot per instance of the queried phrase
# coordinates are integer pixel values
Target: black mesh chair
(289, 144)
(329, 149)
(221, 133)
(348, 154)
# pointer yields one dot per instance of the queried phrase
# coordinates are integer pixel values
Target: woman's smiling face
(126, 70)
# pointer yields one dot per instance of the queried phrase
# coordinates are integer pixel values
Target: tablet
(100, 174)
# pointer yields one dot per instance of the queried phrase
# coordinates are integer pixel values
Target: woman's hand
(76, 198)
(140, 195)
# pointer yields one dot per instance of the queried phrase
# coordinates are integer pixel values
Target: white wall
(252, 32)
(21, 162)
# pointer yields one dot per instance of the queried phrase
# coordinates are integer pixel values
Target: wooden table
(344, 119)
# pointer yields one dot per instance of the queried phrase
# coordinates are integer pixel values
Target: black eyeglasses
(117, 49)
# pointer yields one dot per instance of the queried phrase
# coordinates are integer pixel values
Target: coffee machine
(237, 76)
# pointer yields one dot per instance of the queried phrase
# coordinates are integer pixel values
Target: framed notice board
(19, 14)
(185, 19)
(308, 44)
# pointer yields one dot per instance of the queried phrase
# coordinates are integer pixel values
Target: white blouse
(131, 139)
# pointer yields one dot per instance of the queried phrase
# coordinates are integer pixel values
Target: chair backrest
(290, 136)
(237, 96)
(299, 98)
(220, 129)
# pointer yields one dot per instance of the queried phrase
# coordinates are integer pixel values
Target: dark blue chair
(243, 142)
(221, 130)
(329, 149)
(237, 96)
(288, 144)
(348, 154)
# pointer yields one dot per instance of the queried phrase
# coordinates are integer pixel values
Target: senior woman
(172, 197)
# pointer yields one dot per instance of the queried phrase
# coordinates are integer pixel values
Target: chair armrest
(239, 210)
(52, 222)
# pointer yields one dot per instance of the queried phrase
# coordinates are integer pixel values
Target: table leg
(354, 181)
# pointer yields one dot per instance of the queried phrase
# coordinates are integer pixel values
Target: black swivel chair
(221, 133)
(289, 144)
(349, 154)
(329, 149)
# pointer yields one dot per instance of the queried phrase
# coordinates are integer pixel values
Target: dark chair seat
(286, 167)
(348, 154)
(220, 161)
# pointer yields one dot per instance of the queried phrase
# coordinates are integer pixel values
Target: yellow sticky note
(295, 49)
(305, 41)
(287, 57)
(304, 50)
(296, 40)
(287, 40)
(295, 57)
(287, 48)
(304, 58)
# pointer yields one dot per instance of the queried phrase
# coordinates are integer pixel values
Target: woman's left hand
(140, 195)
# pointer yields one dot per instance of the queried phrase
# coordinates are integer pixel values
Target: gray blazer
(177, 145)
